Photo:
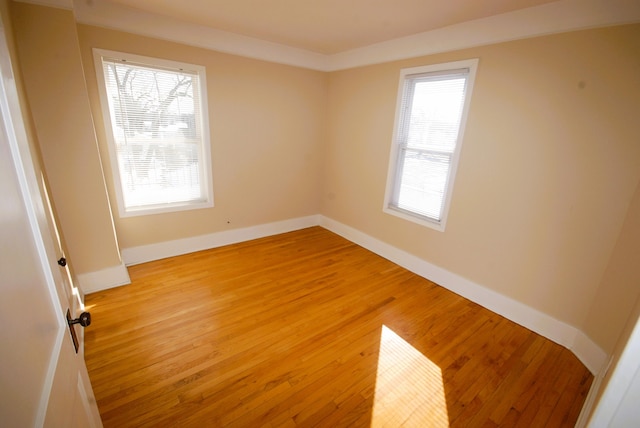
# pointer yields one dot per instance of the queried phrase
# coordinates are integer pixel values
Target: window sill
(415, 218)
(165, 208)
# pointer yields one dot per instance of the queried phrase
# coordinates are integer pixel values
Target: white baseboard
(103, 279)
(591, 355)
(161, 250)
(583, 417)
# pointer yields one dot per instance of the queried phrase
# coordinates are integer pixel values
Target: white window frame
(395, 162)
(206, 180)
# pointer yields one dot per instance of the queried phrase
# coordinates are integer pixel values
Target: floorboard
(307, 329)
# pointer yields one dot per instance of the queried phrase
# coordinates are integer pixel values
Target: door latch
(84, 320)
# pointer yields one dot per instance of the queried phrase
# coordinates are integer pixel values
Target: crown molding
(102, 13)
(550, 18)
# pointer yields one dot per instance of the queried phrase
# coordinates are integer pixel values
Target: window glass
(432, 107)
(158, 139)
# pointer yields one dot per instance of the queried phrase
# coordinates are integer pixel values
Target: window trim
(207, 182)
(394, 172)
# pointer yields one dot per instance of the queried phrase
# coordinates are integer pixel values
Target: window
(155, 114)
(432, 107)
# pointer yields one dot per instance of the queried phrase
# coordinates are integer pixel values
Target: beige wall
(267, 125)
(548, 167)
(53, 77)
(548, 171)
(615, 310)
(619, 289)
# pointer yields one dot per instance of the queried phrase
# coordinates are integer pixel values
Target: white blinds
(157, 131)
(431, 110)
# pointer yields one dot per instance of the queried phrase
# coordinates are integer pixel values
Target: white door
(43, 381)
(618, 405)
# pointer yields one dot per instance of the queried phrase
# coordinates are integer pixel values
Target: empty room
(295, 213)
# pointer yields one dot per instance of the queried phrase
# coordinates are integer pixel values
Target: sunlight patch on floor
(409, 389)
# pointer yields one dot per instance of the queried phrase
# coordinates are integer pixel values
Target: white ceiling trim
(115, 16)
(550, 18)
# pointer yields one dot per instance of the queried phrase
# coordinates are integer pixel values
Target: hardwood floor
(309, 329)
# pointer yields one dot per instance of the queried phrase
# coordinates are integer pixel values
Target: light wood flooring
(309, 329)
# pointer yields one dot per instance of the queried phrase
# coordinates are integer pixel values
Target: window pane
(433, 102)
(423, 182)
(153, 173)
(154, 115)
(436, 109)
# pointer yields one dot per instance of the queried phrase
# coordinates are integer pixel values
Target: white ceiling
(328, 26)
(337, 34)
